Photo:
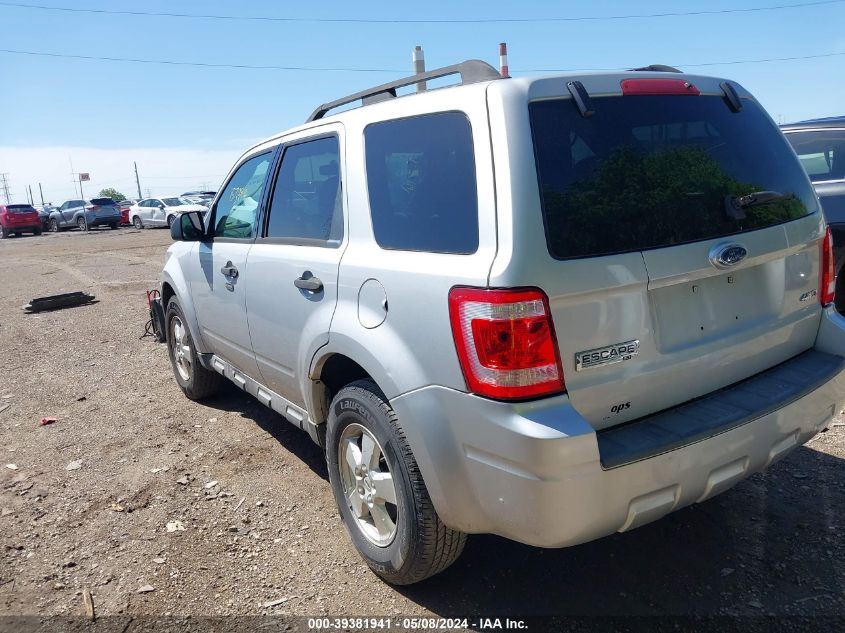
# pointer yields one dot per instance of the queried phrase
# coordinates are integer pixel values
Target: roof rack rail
(471, 71)
(658, 68)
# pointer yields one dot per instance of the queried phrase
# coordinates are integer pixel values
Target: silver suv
(548, 308)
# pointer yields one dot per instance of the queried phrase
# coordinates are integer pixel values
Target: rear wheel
(4, 232)
(37, 231)
(113, 226)
(80, 222)
(196, 381)
(380, 492)
(136, 222)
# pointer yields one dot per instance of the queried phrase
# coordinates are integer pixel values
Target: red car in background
(124, 211)
(19, 218)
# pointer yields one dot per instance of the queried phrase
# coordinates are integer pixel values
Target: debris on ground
(175, 526)
(74, 465)
(12, 466)
(146, 589)
(58, 302)
(88, 599)
(46, 421)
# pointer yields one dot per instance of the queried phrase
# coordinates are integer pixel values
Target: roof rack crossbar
(471, 71)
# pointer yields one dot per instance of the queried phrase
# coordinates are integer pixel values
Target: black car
(820, 145)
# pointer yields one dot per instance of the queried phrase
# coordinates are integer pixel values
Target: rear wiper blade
(735, 206)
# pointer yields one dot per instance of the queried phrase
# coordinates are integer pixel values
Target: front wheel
(195, 380)
(380, 492)
(4, 232)
(136, 222)
(54, 225)
(80, 222)
(170, 220)
(37, 231)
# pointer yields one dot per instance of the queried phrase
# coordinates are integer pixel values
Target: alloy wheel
(181, 348)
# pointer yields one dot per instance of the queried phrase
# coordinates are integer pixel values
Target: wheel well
(166, 293)
(337, 372)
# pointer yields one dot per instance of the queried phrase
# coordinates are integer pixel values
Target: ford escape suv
(548, 308)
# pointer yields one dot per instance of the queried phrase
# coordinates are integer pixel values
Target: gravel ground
(161, 506)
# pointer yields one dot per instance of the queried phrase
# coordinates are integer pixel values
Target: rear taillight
(506, 342)
(828, 270)
(658, 87)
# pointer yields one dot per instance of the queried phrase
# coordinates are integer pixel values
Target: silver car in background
(160, 211)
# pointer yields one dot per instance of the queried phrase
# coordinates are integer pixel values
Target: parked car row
(17, 219)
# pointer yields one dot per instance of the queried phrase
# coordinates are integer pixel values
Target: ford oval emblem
(727, 255)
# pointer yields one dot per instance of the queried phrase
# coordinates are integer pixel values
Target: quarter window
(307, 201)
(821, 152)
(237, 207)
(421, 182)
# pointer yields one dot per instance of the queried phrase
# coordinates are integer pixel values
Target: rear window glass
(20, 208)
(102, 201)
(821, 152)
(421, 181)
(651, 171)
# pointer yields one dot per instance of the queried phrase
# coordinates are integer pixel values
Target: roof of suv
(826, 122)
(475, 73)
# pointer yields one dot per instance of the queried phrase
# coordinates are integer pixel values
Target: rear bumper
(102, 220)
(26, 227)
(533, 472)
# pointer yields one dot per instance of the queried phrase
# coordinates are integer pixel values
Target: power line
(204, 65)
(265, 18)
(389, 70)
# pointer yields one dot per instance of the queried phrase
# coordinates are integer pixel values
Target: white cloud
(163, 171)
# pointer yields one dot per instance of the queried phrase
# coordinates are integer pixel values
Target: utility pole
(41, 191)
(137, 181)
(4, 183)
(418, 57)
(31, 199)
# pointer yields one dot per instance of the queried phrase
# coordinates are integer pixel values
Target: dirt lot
(161, 505)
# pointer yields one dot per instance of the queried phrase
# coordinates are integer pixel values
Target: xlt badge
(609, 355)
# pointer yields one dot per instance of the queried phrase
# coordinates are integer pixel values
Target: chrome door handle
(229, 270)
(310, 283)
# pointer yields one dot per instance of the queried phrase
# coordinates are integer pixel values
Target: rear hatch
(21, 214)
(673, 275)
(104, 207)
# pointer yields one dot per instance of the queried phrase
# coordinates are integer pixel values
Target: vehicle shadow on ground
(293, 439)
(763, 547)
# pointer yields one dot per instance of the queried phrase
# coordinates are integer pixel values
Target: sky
(185, 125)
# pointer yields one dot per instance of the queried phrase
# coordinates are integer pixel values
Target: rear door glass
(652, 171)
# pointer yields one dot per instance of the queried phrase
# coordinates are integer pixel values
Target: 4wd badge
(606, 355)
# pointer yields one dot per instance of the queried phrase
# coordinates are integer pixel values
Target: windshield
(176, 202)
(650, 171)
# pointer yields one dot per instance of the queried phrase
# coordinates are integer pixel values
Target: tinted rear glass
(20, 208)
(651, 171)
(102, 201)
(421, 181)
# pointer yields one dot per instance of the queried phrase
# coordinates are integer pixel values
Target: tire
(37, 231)
(81, 224)
(421, 545)
(113, 226)
(170, 220)
(4, 232)
(54, 225)
(18, 234)
(136, 222)
(196, 381)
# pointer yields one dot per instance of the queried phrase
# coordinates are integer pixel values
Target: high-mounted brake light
(658, 87)
(827, 292)
(506, 342)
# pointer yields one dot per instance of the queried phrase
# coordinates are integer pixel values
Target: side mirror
(188, 227)
(161, 206)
